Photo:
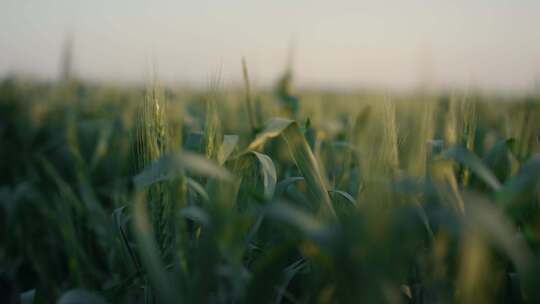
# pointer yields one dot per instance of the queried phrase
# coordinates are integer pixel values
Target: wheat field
(126, 194)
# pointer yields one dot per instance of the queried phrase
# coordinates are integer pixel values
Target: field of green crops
(112, 194)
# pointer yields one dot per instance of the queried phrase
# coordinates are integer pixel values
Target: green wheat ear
(150, 130)
(156, 138)
(213, 135)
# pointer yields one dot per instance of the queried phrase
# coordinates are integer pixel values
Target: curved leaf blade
(169, 166)
(268, 171)
(475, 164)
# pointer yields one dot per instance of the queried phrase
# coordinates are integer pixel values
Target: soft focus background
(487, 44)
(269, 152)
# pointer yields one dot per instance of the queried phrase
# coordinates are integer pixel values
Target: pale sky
(493, 44)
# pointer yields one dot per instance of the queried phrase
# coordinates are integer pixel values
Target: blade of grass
(475, 164)
(249, 106)
(168, 167)
(303, 157)
(149, 252)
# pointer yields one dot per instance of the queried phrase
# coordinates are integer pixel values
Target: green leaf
(268, 171)
(195, 214)
(227, 147)
(465, 157)
(345, 195)
(290, 272)
(198, 188)
(150, 255)
(273, 129)
(28, 297)
(487, 219)
(306, 162)
(81, 296)
(102, 145)
(282, 186)
(301, 220)
(524, 181)
(169, 166)
(120, 220)
(497, 158)
(303, 157)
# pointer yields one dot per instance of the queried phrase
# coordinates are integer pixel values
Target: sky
(491, 44)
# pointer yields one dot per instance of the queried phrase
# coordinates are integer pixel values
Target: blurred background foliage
(125, 194)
